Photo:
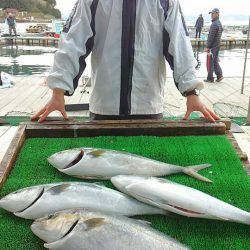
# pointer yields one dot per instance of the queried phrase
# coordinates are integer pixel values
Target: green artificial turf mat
(231, 184)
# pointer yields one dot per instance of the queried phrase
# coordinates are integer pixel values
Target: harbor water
(38, 60)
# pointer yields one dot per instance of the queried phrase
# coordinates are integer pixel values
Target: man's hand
(194, 104)
(56, 103)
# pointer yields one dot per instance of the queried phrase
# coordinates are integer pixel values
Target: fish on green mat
(84, 230)
(90, 163)
(39, 201)
(179, 199)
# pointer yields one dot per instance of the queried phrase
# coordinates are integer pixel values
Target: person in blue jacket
(11, 21)
(199, 25)
(213, 47)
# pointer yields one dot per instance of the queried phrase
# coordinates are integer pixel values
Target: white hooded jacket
(129, 41)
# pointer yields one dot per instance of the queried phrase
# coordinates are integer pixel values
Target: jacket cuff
(54, 83)
(191, 85)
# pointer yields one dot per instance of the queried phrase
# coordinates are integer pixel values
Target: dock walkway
(29, 95)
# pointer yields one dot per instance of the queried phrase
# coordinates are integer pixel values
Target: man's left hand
(195, 104)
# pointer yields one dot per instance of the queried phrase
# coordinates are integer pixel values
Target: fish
(39, 201)
(91, 163)
(83, 230)
(179, 199)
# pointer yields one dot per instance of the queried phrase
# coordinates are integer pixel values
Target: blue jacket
(215, 33)
(11, 21)
(199, 23)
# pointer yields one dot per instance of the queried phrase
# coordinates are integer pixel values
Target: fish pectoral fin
(155, 202)
(97, 153)
(134, 186)
(221, 218)
(144, 223)
(93, 223)
(99, 183)
(57, 189)
(55, 244)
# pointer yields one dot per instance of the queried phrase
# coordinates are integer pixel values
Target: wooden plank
(76, 107)
(123, 128)
(72, 121)
(18, 102)
(12, 93)
(3, 130)
(6, 138)
(243, 157)
(11, 155)
(3, 122)
(37, 90)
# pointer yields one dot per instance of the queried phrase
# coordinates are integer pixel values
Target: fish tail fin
(192, 171)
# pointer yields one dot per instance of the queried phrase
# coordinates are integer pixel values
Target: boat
(38, 28)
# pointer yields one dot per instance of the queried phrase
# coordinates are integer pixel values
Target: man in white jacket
(129, 41)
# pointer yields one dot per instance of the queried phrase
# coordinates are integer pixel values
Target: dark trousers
(97, 117)
(198, 33)
(12, 28)
(214, 66)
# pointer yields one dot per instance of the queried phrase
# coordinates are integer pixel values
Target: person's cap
(215, 10)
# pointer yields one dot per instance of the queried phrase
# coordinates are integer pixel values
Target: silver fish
(38, 201)
(90, 163)
(85, 230)
(179, 199)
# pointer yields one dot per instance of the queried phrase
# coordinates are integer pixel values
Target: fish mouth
(77, 159)
(50, 245)
(31, 204)
(48, 229)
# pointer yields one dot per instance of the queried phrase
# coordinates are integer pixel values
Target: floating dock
(224, 42)
(51, 41)
(32, 40)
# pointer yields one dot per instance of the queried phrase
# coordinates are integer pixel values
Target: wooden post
(245, 65)
(248, 116)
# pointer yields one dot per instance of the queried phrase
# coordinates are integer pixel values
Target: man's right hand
(57, 103)
(207, 50)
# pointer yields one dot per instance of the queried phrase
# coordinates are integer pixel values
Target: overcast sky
(190, 7)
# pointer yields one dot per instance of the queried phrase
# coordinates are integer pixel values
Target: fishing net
(236, 113)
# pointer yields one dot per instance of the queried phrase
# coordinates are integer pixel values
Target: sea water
(38, 60)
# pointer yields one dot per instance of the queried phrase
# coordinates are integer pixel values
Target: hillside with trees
(46, 7)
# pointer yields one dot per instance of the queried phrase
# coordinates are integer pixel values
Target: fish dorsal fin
(97, 153)
(59, 188)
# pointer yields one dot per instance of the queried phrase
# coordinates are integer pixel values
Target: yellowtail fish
(90, 163)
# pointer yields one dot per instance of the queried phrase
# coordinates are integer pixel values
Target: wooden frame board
(74, 129)
(3, 122)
